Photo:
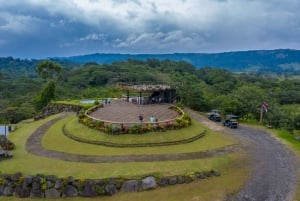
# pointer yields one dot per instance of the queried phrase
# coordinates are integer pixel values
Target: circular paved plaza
(123, 111)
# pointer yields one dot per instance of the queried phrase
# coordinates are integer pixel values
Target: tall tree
(50, 71)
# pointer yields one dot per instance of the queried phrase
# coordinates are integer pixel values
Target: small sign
(4, 130)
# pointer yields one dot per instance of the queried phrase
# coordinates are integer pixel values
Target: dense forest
(284, 61)
(24, 87)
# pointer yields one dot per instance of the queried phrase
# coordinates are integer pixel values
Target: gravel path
(274, 167)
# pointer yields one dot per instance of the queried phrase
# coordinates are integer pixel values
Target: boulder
(22, 192)
(27, 181)
(172, 180)
(8, 191)
(163, 182)
(148, 183)
(111, 189)
(52, 193)
(180, 180)
(131, 186)
(1, 189)
(88, 189)
(59, 184)
(16, 177)
(70, 191)
(36, 191)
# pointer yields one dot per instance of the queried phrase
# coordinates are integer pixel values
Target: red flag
(265, 106)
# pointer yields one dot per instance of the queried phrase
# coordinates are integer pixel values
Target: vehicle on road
(231, 121)
(214, 115)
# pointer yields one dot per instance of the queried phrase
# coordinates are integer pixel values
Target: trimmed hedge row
(117, 128)
(50, 186)
(111, 144)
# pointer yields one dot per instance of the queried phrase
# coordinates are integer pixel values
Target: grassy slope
(55, 140)
(210, 189)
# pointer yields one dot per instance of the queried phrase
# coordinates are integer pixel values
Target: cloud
(58, 28)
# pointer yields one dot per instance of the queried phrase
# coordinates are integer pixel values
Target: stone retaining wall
(50, 186)
(55, 108)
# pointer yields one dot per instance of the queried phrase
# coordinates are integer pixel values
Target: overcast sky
(47, 28)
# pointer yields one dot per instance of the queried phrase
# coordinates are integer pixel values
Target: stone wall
(54, 108)
(50, 186)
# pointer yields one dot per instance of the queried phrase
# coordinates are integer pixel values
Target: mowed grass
(32, 164)
(233, 167)
(55, 140)
(234, 172)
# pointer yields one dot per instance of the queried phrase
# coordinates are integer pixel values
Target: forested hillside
(262, 61)
(198, 88)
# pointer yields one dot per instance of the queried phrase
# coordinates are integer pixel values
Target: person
(152, 119)
(141, 118)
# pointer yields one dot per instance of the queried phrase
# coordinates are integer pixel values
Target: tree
(47, 94)
(250, 99)
(48, 70)
(189, 90)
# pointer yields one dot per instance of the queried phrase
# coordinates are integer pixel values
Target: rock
(36, 191)
(180, 180)
(8, 191)
(172, 180)
(297, 138)
(22, 192)
(148, 183)
(70, 180)
(59, 184)
(131, 186)
(201, 175)
(52, 193)
(16, 177)
(111, 189)
(163, 182)
(51, 178)
(188, 179)
(1, 190)
(88, 189)
(70, 191)
(217, 174)
(27, 181)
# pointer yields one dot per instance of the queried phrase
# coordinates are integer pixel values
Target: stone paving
(123, 111)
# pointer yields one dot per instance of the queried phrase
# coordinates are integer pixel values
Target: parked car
(214, 115)
(231, 121)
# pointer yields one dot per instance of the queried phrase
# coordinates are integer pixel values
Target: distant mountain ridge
(279, 61)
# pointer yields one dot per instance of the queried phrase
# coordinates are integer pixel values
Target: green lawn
(216, 188)
(55, 140)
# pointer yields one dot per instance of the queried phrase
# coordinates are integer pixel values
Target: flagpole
(261, 115)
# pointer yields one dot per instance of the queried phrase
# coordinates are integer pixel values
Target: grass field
(230, 165)
(55, 140)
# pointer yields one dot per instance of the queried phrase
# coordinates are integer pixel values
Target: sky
(50, 28)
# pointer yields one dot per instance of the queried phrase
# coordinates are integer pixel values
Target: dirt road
(274, 166)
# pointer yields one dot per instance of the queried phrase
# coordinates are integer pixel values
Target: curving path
(274, 166)
(34, 146)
